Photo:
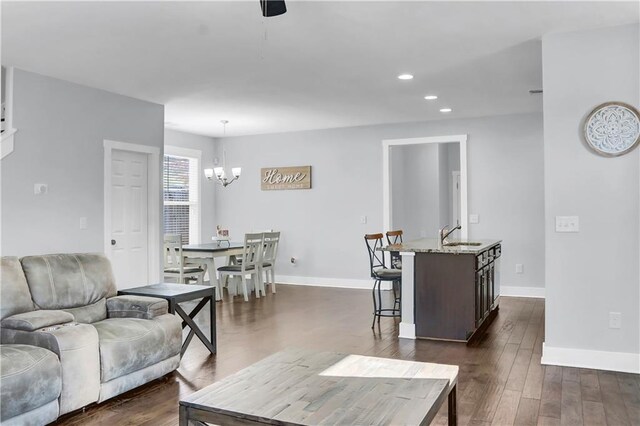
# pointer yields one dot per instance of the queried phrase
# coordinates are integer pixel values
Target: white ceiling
(322, 65)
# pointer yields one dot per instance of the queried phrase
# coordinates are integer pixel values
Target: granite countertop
(430, 245)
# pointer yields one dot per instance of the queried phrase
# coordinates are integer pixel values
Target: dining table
(206, 254)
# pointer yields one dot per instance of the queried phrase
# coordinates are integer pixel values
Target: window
(181, 188)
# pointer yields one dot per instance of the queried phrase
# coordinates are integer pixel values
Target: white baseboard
(513, 291)
(330, 282)
(583, 358)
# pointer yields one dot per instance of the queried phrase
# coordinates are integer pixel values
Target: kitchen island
(449, 292)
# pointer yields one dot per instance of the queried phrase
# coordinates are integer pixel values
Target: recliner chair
(107, 344)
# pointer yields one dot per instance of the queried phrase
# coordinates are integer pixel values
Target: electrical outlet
(615, 320)
(567, 224)
(40, 188)
(519, 268)
(363, 219)
(474, 218)
(293, 260)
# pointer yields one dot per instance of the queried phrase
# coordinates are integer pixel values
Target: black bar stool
(395, 237)
(380, 273)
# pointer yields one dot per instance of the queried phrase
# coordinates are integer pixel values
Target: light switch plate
(474, 218)
(567, 224)
(615, 320)
(363, 219)
(519, 268)
(83, 223)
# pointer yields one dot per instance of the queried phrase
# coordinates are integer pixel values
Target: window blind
(180, 188)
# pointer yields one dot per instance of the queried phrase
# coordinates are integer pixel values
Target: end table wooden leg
(212, 323)
(183, 416)
(453, 414)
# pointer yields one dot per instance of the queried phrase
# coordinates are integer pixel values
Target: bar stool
(380, 273)
(395, 237)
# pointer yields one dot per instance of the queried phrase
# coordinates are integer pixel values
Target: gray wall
(207, 146)
(321, 226)
(61, 128)
(423, 172)
(595, 271)
(3, 78)
(418, 214)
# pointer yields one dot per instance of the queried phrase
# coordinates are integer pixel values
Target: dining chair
(271, 241)
(395, 237)
(251, 265)
(381, 273)
(175, 264)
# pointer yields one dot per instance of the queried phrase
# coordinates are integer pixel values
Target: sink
(462, 243)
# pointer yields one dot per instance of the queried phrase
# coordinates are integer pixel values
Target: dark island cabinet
(485, 285)
(456, 295)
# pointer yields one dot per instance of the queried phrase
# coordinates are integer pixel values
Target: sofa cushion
(63, 281)
(89, 313)
(34, 320)
(30, 376)
(14, 291)
(130, 344)
(76, 346)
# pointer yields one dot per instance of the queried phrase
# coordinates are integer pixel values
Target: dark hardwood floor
(501, 380)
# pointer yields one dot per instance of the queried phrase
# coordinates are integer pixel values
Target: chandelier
(220, 172)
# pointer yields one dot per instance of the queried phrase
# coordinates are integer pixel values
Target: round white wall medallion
(612, 129)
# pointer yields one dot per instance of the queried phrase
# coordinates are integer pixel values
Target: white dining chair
(175, 265)
(271, 241)
(250, 266)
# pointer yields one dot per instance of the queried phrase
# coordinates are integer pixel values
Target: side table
(178, 293)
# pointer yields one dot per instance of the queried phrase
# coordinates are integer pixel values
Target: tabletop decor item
(222, 235)
(612, 129)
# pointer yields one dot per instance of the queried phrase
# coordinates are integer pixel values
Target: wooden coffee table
(302, 387)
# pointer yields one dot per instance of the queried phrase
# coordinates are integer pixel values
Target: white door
(129, 239)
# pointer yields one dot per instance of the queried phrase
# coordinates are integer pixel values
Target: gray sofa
(30, 385)
(106, 344)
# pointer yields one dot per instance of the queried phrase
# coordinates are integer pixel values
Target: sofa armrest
(35, 320)
(136, 307)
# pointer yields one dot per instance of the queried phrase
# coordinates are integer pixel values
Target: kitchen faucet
(443, 233)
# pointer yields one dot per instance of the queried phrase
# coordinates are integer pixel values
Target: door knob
(113, 242)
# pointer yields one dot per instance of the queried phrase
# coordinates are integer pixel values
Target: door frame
(153, 202)
(387, 214)
(455, 177)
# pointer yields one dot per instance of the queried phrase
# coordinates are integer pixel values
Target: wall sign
(274, 178)
(612, 129)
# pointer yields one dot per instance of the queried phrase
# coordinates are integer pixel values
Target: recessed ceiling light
(405, 76)
(431, 97)
(446, 110)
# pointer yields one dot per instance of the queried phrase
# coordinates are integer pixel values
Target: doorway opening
(406, 190)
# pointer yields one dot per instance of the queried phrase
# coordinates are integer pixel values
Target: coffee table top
(170, 291)
(302, 387)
